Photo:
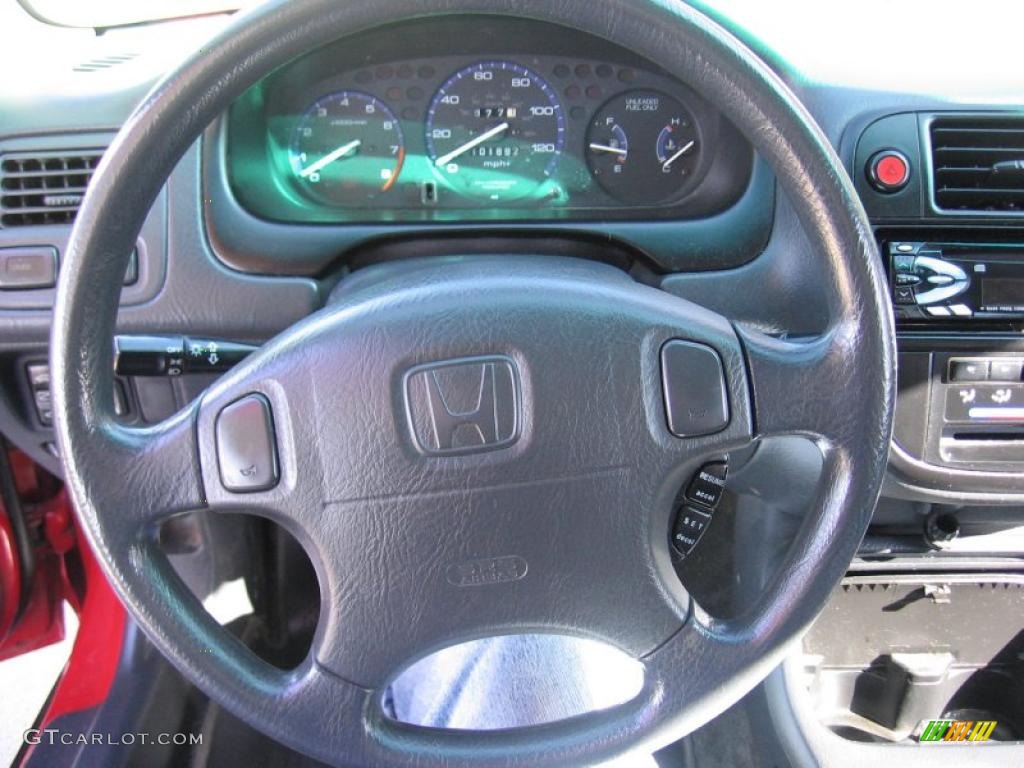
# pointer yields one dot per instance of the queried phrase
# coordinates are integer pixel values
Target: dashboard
(515, 120)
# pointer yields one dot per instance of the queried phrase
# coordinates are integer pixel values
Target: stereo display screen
(1002, 292)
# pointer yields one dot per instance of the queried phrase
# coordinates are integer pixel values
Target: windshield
(116, 13)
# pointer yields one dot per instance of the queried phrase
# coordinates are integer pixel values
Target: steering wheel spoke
(150, 473)
(795, 383)
(248, 434)
(162, 459)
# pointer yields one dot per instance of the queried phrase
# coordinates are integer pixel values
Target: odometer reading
(495, 131)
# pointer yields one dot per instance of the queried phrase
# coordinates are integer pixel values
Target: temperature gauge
(675, 147)
(643, 147)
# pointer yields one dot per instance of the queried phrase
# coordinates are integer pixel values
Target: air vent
(104, 62)
(44, 187)
(978, 163)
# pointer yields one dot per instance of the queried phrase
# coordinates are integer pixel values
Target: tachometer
(347, 149)
(495, 131)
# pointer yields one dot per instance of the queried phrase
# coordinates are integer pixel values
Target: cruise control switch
(175, 355)
(696, 506)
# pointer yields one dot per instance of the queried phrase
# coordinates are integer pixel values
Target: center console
(959, 309)
(948, 213)
(927, 625)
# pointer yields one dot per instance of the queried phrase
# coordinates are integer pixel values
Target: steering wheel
(419, 539)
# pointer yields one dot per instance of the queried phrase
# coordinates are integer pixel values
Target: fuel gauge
(607, 148)
(643, 147)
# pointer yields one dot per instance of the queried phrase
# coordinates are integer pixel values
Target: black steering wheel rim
(118, 476)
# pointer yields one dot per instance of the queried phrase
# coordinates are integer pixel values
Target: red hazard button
(889, 171)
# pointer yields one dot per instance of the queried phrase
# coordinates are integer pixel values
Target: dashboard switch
(888, 171)
(246, 447)
(693, 383)
(44, 406)
(39, 384)
(28, 267)
(968, 370)
(131, 274)
(1005, 370)
(38, 375)
(707, 485)
(120, 399)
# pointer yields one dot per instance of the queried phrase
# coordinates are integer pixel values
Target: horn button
(696, 399)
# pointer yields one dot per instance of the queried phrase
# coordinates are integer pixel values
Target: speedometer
(495, 131)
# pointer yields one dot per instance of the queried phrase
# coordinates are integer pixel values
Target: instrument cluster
(476, 135)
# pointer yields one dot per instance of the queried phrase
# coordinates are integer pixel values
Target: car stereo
(957, 281)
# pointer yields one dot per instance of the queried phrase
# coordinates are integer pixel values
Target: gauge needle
(485, 136)
(329, 158)
(677, 155)
(606, 148)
